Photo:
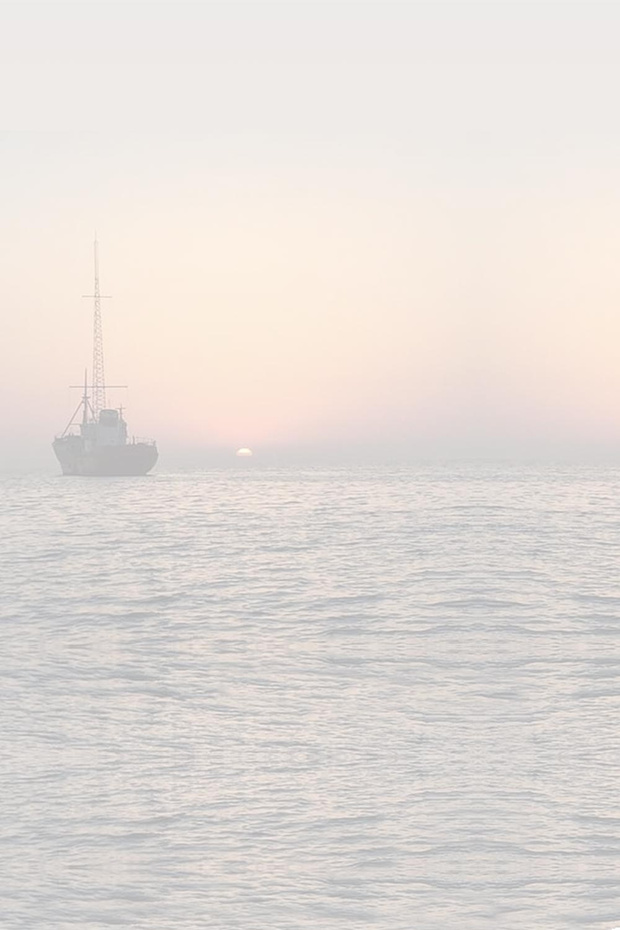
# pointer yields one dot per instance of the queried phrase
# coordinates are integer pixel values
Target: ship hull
(136, 458)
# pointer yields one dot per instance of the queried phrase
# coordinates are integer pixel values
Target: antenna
(98, 386)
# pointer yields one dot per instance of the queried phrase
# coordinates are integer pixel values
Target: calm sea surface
(311, 700)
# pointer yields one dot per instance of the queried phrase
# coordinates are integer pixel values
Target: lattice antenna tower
(98, 366)
(98, 386)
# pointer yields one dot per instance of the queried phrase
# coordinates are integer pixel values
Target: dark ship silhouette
(97, 443)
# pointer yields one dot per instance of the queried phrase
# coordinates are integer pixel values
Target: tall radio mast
(98, 385)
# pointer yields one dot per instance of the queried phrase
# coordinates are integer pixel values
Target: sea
(311, 698)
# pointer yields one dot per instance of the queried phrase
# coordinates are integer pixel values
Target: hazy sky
(375, 230)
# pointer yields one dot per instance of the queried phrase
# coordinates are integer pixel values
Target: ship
(95, 442)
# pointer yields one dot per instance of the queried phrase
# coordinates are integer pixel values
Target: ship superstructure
(96, 443)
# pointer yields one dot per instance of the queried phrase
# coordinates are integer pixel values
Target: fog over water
(384, 231)
(368, 675)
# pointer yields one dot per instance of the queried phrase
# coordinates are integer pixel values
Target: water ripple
(311, 698)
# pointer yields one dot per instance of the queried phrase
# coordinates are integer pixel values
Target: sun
(244, 453)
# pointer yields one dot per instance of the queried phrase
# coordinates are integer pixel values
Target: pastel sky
(374, 231)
